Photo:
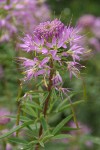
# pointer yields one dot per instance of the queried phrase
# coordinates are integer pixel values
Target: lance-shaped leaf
(63, 103)
(32, 104)
(17, 140)
(30, 111)
(62, 136)
(16, 129)
(22, 118)
(61, 124)
(44, 123)
(47, 137)
(69, 105)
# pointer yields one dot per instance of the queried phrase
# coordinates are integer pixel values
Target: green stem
(47, 99)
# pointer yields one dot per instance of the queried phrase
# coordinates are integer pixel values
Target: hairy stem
(47, 99)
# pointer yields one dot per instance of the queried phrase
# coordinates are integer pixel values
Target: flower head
(34, 68)
(52, 40)
(48, 30)
(57, 79)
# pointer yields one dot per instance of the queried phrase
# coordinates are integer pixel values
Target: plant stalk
(47, 99)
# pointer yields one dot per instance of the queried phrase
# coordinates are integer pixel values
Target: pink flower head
(49, 29)
(75, 51)
(57, 79)
(52, 40)
(28, 44)
(34, 68)
(74, 69)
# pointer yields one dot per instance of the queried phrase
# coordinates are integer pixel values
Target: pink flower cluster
(52, 40)
(91, 25)
(17, 15)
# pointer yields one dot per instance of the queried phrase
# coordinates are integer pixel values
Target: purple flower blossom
(44, 61)
(27, 43)
(3, 119)
(34, 68)
(54, 55)
(57, 79)
(49, 29)
(74, 69)
(52, 40)
(75, 51)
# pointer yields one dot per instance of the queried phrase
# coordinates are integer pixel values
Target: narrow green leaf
(37, 92)
(33, 142)
(22, 118)
(41, 143)
(16, 128)
(46, 138)
(45, 96)
(17, 140)
(61, 124)
(32, 104)
(69, 105)
(63, 103)
(62, 136)
(30, 111)
(29, 147)
(54, 101)
(69, 129)
(44, 123)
